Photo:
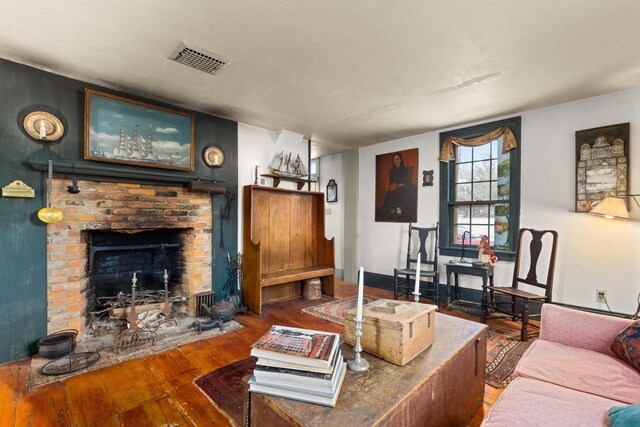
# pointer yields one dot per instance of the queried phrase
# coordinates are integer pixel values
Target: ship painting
(137, 148)
(125, 131)
(285, 165)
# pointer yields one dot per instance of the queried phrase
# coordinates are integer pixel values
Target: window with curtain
(480, 188)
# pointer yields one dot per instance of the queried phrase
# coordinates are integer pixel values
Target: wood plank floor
(158, 389)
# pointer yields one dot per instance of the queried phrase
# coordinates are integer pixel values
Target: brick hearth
(126, 208)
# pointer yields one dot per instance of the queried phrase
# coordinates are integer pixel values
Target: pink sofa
(569, 376)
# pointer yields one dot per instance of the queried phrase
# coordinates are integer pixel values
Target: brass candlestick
(416, 296)
(358, 364)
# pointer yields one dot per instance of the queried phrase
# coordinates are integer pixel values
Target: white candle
(417, 289)
(360, 295)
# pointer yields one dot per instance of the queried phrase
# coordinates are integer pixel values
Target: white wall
(331, 167)
(592, 252)
(259, 146)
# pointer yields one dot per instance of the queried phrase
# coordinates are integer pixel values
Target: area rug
(333, 310)
(504, 350)
(228, 389)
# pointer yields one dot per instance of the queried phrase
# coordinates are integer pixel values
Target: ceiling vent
(198, 58)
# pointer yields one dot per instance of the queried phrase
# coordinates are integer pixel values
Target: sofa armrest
(580, 329)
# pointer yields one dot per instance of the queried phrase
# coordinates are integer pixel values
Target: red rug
(228, 389)
(504, 350)
(333, 310)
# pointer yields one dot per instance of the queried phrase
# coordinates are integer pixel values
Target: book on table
(308, 394)
(304, 347)
(295, 379)
(271, 363)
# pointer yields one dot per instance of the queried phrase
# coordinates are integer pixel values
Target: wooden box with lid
(396, 331)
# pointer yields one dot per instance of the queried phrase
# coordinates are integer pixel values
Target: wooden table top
(368, 396)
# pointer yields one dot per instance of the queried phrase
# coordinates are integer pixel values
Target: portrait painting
(397, 186)
(121, 130)
(602, 164)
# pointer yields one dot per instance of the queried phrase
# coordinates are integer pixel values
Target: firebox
(115, 256)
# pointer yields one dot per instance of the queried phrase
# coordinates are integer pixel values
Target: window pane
(461, 214)
(482, 171)
(481, 191)
(463, 192)
(495, 146)
(502, 227)
(477, 231)
(480, 214)
(463, 172)
(494, 170)
(504, 165)
(464, 154)
(482, 152)
(458, 231)
(494, 190)
(492, 236)
(492, 214)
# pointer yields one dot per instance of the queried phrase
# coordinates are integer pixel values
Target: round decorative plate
(213, 156)
(53, 127)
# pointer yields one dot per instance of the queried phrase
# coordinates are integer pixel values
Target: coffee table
(443, 386)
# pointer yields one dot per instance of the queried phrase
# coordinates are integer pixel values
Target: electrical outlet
(601, 295)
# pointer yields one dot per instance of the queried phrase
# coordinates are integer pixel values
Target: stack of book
(299, 364)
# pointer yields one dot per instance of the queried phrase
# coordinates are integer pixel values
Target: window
(480, 193)
(314, 174)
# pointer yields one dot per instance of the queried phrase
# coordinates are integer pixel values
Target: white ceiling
(345, 73)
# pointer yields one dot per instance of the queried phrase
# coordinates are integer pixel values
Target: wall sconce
(43, 126)
(332, 191)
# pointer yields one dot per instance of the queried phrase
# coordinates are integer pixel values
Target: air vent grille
(197, 58)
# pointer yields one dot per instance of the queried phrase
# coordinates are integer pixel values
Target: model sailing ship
(286, 166)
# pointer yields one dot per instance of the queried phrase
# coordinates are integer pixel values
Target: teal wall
(23, 303)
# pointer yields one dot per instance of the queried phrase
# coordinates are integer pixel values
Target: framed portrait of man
(397, 186)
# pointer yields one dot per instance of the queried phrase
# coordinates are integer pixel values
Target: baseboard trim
(385, 281)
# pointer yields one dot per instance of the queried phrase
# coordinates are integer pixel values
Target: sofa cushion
(579, 328)
(581, 370)
(528, 402)
(626, 345)
(624, 416)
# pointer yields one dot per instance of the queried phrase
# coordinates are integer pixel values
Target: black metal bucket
(57, 344)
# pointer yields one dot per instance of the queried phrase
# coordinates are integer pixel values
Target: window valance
(508, 144)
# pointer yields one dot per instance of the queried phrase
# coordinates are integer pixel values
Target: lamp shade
(611, 207)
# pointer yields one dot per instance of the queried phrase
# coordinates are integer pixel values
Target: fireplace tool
(134, 335)
(166, 310)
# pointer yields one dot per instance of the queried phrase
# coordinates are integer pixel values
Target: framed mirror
(332, 191)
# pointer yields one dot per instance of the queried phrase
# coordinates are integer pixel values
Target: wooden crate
(396, 331)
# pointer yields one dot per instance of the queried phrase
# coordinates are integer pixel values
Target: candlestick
(360, 295)
(416, 292)
(358, 363)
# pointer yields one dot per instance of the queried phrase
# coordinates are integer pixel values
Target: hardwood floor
(158, 389)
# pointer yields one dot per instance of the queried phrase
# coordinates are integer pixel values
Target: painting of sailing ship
(121, 130)
(286, 165)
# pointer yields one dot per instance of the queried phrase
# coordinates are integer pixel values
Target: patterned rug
(333, 310)
(504, 347)
(228, 389)
(504, 350)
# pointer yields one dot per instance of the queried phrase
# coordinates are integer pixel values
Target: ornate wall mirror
(332, 191)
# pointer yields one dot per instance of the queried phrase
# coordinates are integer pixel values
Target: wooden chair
(428, 248)
(490, 303)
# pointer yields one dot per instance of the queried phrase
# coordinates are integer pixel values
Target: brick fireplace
(126, 209)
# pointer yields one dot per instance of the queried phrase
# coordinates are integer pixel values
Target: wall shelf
(276, 180)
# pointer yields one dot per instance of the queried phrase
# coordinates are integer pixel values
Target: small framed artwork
(332, 191)
(121, 130)
(602, 164)
(397, 186)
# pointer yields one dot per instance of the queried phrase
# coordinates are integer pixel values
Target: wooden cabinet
(283, 244)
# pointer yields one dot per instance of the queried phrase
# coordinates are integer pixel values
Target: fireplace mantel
(96, 172)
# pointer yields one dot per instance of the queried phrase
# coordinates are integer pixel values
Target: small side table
(486, 272)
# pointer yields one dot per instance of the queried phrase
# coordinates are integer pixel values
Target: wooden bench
(283, 245)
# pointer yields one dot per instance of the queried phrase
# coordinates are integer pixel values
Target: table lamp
(614, 207)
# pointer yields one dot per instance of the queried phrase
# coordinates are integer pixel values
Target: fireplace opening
(115, 256)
